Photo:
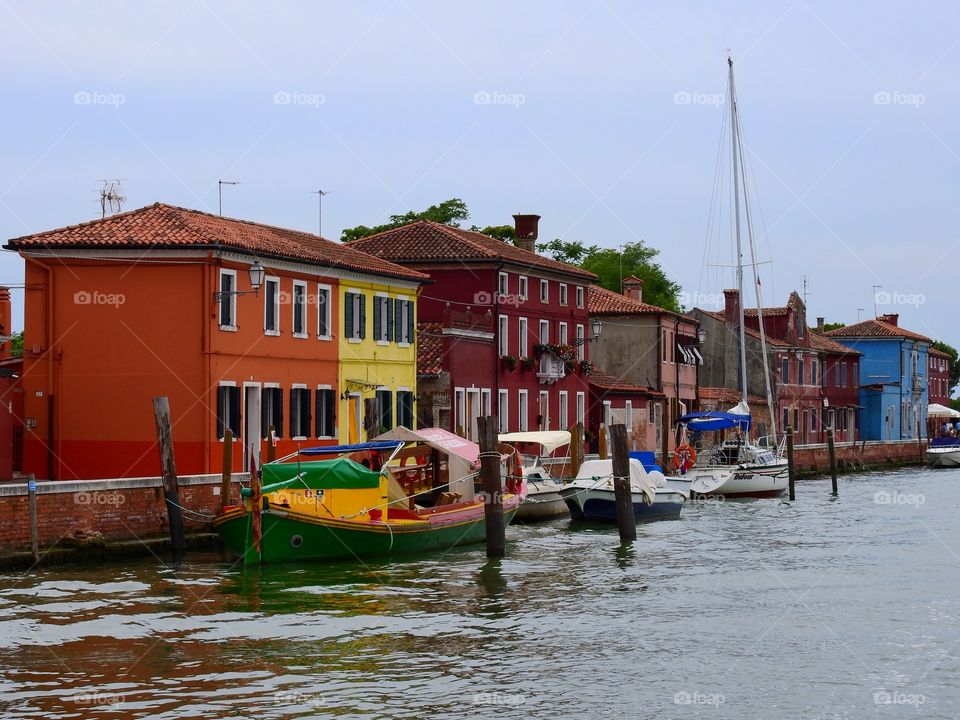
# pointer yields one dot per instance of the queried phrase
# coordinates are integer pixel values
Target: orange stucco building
(141, 304)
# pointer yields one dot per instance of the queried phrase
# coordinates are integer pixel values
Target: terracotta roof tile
(825, 344)
(167, 226)
(429, 242)
(601, 301)
(874, 329)
(611, 382)
(429, 348)
(729, 395)
(773, 342)
(937, 352)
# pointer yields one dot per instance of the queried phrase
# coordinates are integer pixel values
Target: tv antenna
(806, 293)
(111, 197)
(220, 184)
(320, 195)
(875, 288)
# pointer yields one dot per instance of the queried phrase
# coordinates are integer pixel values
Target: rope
(202, 516)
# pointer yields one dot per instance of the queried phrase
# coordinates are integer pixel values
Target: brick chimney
(525, 229)
(633, 288)
(890, 319)
(731, 306)
(819, 325)
(5, 318)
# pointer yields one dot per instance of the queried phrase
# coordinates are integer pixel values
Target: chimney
(890, 319)
(820, 325)
(633, 288)
(5, 317)
(731, 306)
(525, 230)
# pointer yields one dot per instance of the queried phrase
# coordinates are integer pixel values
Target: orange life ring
(685, 456)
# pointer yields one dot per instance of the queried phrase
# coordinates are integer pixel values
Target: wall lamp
(256, 273)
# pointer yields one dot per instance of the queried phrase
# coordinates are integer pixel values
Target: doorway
(354, 419)
(251, 425)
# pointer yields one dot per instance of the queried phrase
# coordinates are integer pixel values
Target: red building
(536, 377)
(939, 374)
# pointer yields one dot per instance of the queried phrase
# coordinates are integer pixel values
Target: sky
(603, 117)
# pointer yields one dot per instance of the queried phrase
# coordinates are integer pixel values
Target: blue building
(893, 377)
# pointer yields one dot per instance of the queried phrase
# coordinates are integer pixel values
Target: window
(485, 401)
(800, 367)
(271, 306)
(580, 297)
(503, 283)
(504, 336)
(562, 337)
(324, 312)
(785, 371)
(522, 409)
(843, 374)
(403, 321)
(544, 332)
(813, 372)
(786, 418)
(355, 315)
(299, 412)
(228, 302)
(607, 414)
(836, 373)
(544, 291)
(460, 408)
(813, 421)
(581, 345)
(581, 407)
(563, 294)
(228, 409)
(503, 410)
(384, 411)
(405, 408)
(523, 288)
(544, 410)
(522, 350)
(382, 318)
(271, 415)
(563, 410)
(629, 416)
(299, 309)
(326, 412)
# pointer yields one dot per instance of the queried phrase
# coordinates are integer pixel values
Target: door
(473, 413)
(251, 427)
(353, 419)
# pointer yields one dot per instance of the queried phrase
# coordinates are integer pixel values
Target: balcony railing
(551, 368)
(468, 320)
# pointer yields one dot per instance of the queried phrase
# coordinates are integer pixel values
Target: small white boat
(738, 468)
(943, 452)
(543, 492)
(592, 497)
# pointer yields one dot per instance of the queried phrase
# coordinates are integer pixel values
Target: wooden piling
(833, 459)
(492, 489)
(626, 520)
(790, 469)
(34, 528)
(171, 488)
(226, 478)
(665, 439)
(602, 442)
(576, 448)
(371, 417)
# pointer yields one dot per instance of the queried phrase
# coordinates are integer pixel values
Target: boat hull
(542, 503)
(943, 457)
(763, 481)
(287, 537)
(601, 505)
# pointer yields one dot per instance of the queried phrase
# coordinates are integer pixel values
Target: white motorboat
(592, 497)
(943, 452)
(543, 492)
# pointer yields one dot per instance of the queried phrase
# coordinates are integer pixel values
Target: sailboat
(738, 467)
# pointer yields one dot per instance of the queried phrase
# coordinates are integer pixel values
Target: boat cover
(714, 420)
(463, 456)
(337, 474)
(340, 449)
(550, 440)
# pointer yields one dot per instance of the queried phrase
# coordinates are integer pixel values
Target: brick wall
(815, 459)
(123, 509)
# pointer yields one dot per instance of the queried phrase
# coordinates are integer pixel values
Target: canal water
(821, 608)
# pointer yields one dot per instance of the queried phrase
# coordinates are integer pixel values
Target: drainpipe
(207, 296)
(496, 348)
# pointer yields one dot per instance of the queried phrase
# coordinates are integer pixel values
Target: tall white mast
(736, 212)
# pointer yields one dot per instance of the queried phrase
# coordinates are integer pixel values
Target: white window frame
(581, 346)
(563, 410)
(562, 294)
(460, 409)
(403, 304)
(293, 435)
(523, 409)
(226, 424)
(628, 416)
(563, 338)
(276, 305)
(544, 291)
(293, 309)
(523, 289)
(582, 407)
(607, 417)
(503, 341)
(352, 296)
(503, 410)
(543, 405)
(544, 332)
(503, 283)
(314, 419)
(524, 335)
(231, 299)
(486, 401)
(325, 309)
(384, 317)
(580, 295)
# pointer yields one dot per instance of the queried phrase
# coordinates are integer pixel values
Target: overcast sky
(603, 117)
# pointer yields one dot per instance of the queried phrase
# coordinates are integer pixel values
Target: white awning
(550, 440)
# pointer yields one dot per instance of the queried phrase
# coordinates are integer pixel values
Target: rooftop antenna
(220, 184)
(859, 311)
(806, 293)
(875, 288)
(320, 195)
(111, 197)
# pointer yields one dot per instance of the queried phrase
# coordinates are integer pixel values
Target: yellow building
(378, 354)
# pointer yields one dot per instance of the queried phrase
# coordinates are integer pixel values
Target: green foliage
(827, 327)
(500, 232)
(16, 344)
(954, 366)
(606, 263)
(449, 212)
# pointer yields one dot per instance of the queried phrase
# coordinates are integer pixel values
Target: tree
(827, 327)
(500, 232)
(954, 365)
(449, 212)
(611, 266)
(16, 344)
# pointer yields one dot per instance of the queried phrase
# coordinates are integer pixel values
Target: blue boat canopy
(716, 420)
(340, 449)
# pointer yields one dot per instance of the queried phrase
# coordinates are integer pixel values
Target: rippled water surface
(823, 608)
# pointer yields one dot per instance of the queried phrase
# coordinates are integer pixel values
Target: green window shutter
(377, 303)
(410, 321)
(398, 322)
(391, 303)
(363, 316)
(348, 315)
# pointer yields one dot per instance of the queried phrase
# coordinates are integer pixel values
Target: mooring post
(492, 489)
(227, 474)
(665, 439)
(833, 458)
(626, 520)
(171, 488)
(602, 442)
(790, 471)
(576, 448)
(34, 529)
